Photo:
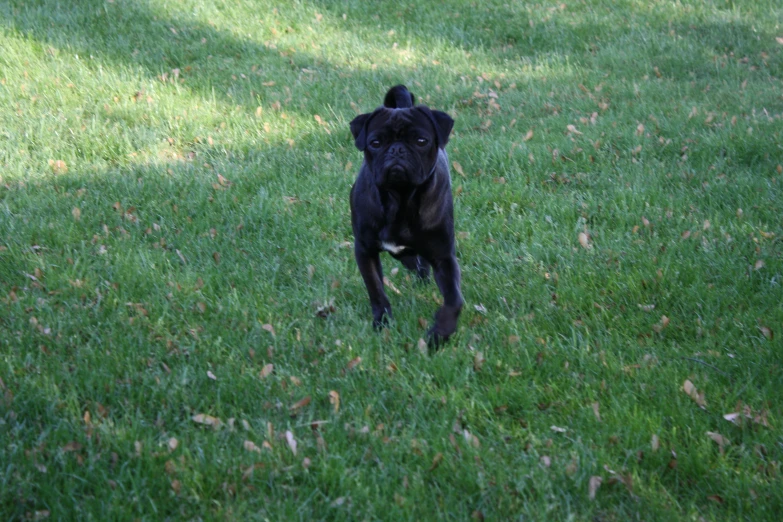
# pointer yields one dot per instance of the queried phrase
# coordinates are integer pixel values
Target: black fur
(401, 202)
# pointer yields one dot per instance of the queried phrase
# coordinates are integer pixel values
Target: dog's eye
(375, 144)
(422, 141)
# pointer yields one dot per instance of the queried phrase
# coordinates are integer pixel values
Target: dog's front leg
(372, 273)
(447, 275)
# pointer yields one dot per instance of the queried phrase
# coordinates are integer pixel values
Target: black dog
(401, 203)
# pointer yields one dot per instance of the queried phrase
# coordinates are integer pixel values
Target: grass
(173, 215)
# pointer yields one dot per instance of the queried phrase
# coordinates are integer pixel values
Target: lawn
(184, 334)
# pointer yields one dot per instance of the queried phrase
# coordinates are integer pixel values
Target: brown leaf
(353, 363)
(655, 443)
(269, 328)
(209, 420)
(767, 332)
(176, 485)
(249, 445)
(595, 483)
(478, 361)
(334, 400)
(697, 397)
(528, 135)
(597, 413)
(300, 404)
(266, 371)
(719, 439)
(58, 166)
(289, 437)
(458, 168)
(558, 429)
(76, 213)
(172, 444)
(584, 240)
(72, 446)
(546, 461)
(436, 461)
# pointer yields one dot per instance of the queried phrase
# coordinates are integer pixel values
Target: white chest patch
(391, 247)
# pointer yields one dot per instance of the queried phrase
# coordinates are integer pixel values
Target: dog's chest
(395, 239)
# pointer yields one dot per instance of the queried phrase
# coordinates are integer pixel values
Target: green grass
(212, 202)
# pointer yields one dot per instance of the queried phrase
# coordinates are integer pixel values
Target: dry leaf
(478, 361)
(436, 461)
(719, 439)
(176, 485)
(759, 265)
(289, 437)
(584, 240)
(528, 135)
(334, 400)
(458, 168)
(300, 404)
(209, 420)
(211, 375)
(697, 397)
(172, 444)
(558, 429)
(572, 129)
(269, 328)
(58, 166)
(595, 483)
(266, 371)
(546, 461)
(353, 363)
(251, 446)
(76, 213)
(655, 443)
(596, 412)
(767, 332)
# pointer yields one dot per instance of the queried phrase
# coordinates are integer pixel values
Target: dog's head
(400, 141)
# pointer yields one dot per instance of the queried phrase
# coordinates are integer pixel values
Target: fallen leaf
(478, 361)
(458, 168)
(480, 308)
(436, 461)
(719, 439)
(176, 485)
(597, 413)
(655, 443)
(759, 265)
(251, 446)
(72, 446)
(716, 498)
(528, 135)
(209, 420)
(289, 437)
(269, 328)
(300, 404)
(697, 397)
(211, 375)
(266, 371)
(546, 461)
(558, 429)
(595, 483)
(584, 240)
(334, 400)
(58, 166)
(767, 332)
(172, 444)
(76, 213)
(353, 363)
(572, 129)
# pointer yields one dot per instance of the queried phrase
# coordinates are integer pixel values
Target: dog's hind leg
(416, 264)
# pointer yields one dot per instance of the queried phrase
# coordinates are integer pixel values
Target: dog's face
(401, 145)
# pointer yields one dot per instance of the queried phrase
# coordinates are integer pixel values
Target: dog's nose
(397, 149)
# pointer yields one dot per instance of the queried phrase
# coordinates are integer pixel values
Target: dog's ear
(442, 122)
(399, 97)
(359, 130)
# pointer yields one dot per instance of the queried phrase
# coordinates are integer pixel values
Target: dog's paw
(380, 319)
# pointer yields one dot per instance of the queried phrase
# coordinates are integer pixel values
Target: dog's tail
(399, 97)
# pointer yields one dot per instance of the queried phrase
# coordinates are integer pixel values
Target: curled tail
(399, 97)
